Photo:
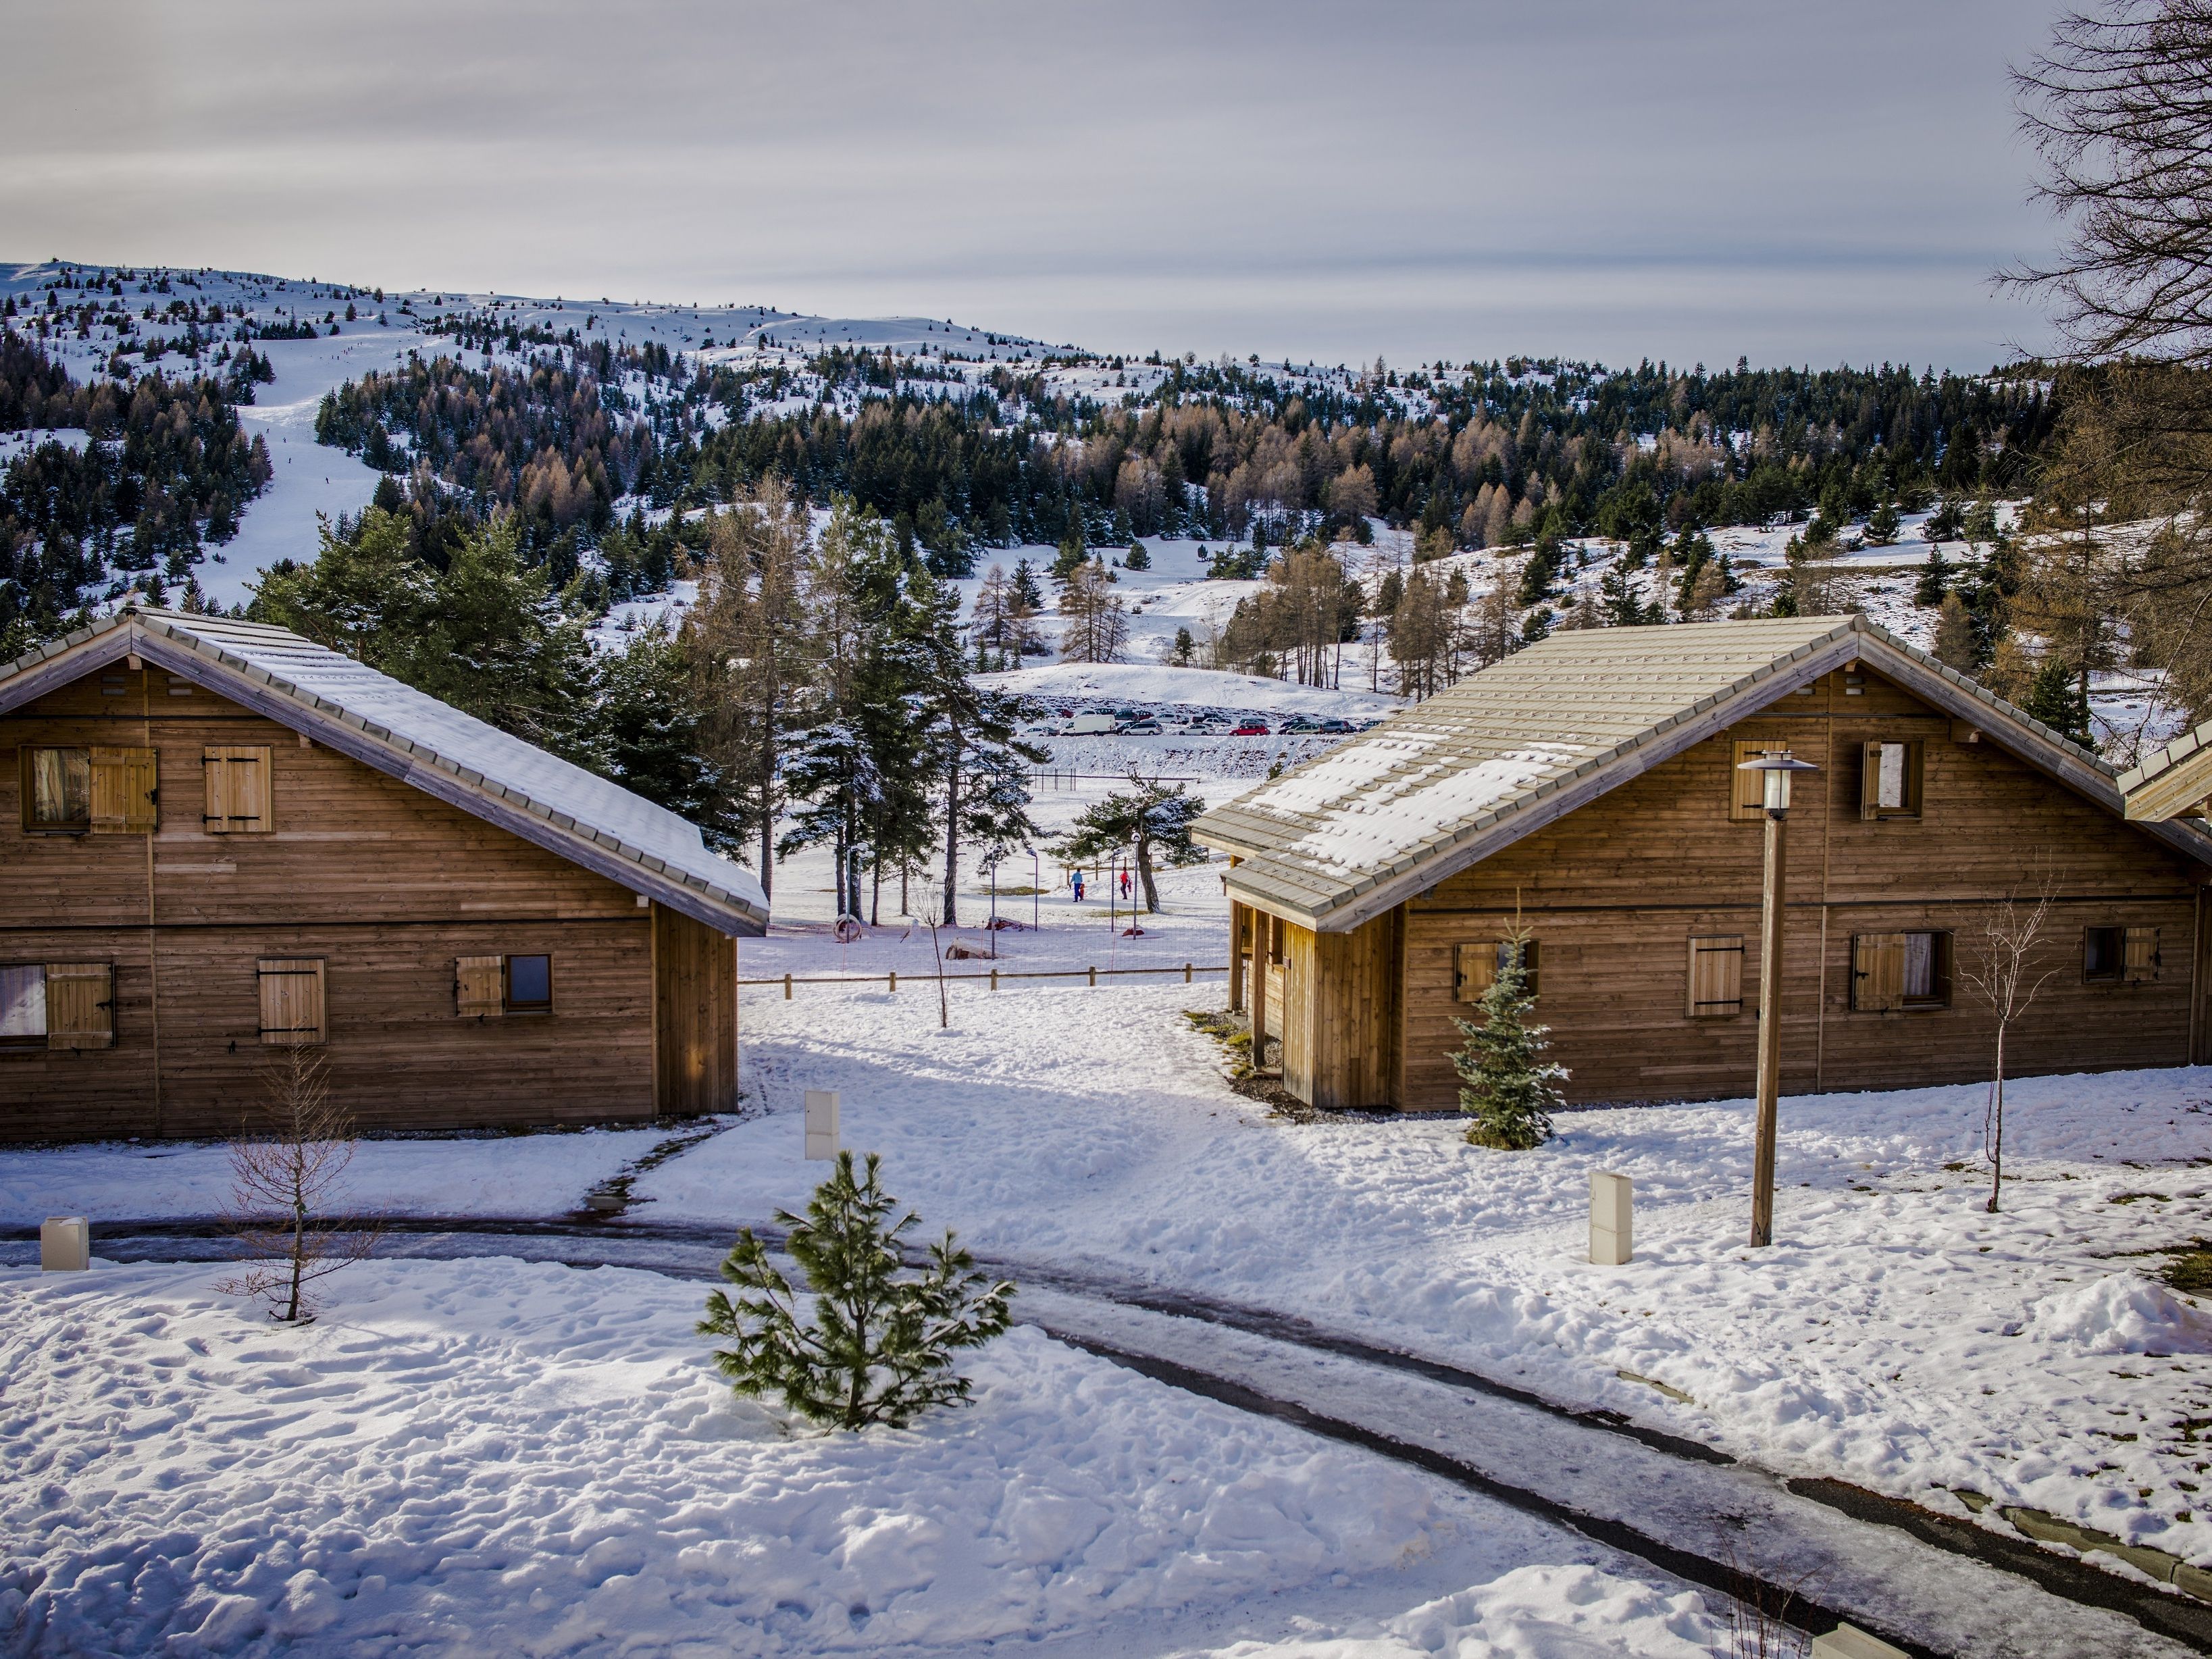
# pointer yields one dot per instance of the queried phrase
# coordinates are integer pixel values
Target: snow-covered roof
(1384, 815)
(431, 745)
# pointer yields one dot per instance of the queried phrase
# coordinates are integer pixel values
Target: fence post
(1186, 973)
(894, 990)
(786, 987)
(1094, 977)
(994, 979)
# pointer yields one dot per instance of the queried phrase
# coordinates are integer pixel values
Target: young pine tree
(1505, 1084)
(880, 1345)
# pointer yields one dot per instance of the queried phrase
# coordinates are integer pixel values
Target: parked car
(1141, 729)
(1250, 729)
(1300, 723)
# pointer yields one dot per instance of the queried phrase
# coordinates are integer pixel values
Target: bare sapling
(287, 1172)
(2003, 977)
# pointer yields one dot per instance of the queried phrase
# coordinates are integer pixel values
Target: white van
(1085, 725)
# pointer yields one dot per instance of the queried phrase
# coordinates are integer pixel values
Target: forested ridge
(165, 470)
(1507, 453)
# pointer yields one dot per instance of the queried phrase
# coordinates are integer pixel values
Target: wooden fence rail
(891, 978)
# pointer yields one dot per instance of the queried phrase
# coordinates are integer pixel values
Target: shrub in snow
(879, 1348)
(286, 1175)
(1505, 1084)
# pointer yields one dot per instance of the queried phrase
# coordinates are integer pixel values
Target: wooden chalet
(224, 839)
(1590, 784)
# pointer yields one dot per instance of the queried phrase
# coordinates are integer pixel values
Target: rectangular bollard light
(822, 1124)
(64, 1244)
(1846, 1643)
(1612, 1223)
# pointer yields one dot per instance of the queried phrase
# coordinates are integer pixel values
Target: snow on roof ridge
(477, 753)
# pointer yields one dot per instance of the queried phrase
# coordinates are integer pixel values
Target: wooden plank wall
(695, 1015)
(1613, 891)
(388, 884)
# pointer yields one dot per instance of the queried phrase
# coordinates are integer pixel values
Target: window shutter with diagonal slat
(1877, 972)
(80, 1004)
(122, 792)
(477, 987)
(2141, 959)
(291, 1001)
(1474, 970)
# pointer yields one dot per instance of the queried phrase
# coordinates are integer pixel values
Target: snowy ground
(502, 1456)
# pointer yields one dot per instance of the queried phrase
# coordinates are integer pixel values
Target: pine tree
(1883, 525)
(1505, 1084)
(2054, 697)
(1136, 559)
(1026, 586)
(1934, 581)
(1957, 644)
(1072, 554)
(880, 1345)
(1151, 820)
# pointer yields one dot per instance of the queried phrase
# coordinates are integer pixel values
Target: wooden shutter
(239, 800)
(2141, 958)
(1474, 970)
(1877, 972)
(477, 987)
(80, 1004)
(291, 999)
(1716, 976)
(1748, 800)
(122, 794)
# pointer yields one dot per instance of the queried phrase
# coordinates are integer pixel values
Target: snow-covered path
(1686, 1511)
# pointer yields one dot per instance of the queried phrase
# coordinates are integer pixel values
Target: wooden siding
(1615, 892)
(694, 1016)
(388, 886)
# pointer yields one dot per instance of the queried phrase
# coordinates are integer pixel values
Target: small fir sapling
(1505, 1084)
(879, 1348)
(286, 1176)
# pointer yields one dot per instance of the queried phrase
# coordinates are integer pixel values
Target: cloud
(1793, 182)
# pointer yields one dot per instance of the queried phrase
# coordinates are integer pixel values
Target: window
(486, 987)
(1892, 971)
(57, 1005)
(1475, 967)
(2104, 953)
(530, 985)
(1890, 780)
(238, 792)
(23, 1007)
(57, 790)
(291, 1001)
(1747, 799)
(1716, 976)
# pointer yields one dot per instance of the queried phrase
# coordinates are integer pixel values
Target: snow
(1150, 685)
(1364, 814)
(307, 481)
(2121, 1313)
(537, 1175)
(494, 1455)
(501, 758)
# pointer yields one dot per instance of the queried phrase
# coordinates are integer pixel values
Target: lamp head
(1775, 767)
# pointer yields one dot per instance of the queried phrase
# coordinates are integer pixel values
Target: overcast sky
(1610, 179)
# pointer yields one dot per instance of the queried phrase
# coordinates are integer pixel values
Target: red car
(1251, 729)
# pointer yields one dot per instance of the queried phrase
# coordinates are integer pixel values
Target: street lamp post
(1774, 769)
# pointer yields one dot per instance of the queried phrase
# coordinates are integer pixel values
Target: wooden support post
(1770, 1032)
(1262, 923)
(786, 987)
(1094, 977)
(1186, 973)
(894, 990)
(994, 979)
(1235, 957)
